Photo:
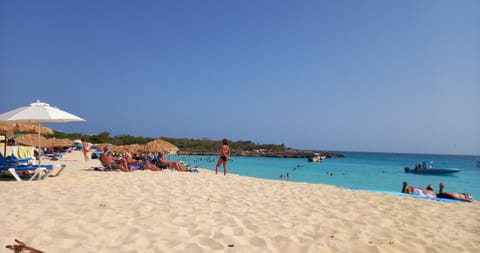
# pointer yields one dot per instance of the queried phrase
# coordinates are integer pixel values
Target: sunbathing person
(454, 195)
(146, 165)
(415, 190)
(141, 164)
(166, 163)
(110, 162)
(130, 160)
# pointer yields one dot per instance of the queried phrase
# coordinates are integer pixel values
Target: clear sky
(387, 76)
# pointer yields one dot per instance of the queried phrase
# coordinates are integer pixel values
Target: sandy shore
(144, 211)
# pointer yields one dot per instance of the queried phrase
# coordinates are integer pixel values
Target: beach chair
(42, 171)
(20, 161)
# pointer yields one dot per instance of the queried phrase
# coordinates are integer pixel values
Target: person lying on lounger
(454, 195)
(110, 162)
(146, 165)
(415, 190)
(163, 162)
(142, 164)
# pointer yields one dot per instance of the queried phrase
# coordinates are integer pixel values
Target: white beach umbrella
(37, 113)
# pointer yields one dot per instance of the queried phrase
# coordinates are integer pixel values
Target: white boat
(316, 158)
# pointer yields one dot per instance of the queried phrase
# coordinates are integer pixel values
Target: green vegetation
(184, 144)
(104, 137)
(199, 146)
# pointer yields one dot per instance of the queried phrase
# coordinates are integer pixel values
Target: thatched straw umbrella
(9, 128)
(30, 140)
(17, 127)
(100, 146)
(151, 147)
(131, 148)
(159, 145)
(53, 142)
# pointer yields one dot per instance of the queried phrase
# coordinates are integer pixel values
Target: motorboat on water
(427, 169)
(316, 158)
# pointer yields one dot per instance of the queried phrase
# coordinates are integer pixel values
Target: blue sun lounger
(13, 168)
(21, 161)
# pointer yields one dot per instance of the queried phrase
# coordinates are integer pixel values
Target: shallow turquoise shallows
(370, 171)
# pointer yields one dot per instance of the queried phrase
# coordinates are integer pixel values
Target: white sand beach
(145, 211)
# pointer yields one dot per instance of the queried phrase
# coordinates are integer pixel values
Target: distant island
(204, 146)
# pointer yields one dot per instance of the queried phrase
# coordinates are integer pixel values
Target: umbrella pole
(5, 147)
(39, 147)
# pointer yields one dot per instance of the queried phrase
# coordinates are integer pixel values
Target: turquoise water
(371, 171)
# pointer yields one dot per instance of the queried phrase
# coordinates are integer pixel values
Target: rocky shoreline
(288, 153)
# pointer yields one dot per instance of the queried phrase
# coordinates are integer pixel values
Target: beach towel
(418, 196)
(25, 152)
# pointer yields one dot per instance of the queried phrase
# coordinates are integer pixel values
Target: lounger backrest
(3, 161)
(155, 161)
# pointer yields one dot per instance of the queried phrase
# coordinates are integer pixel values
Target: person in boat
(415, 190)
(454, 195)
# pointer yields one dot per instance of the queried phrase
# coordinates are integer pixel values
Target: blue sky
(388, 76)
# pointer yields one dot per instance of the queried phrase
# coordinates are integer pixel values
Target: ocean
(358, 170)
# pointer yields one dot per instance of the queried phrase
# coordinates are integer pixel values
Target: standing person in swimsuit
(85, 149)
(224, 157)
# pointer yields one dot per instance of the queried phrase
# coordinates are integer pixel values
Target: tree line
(185, 144)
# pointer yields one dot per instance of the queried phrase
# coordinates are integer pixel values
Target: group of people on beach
(430, 192)
(127, 163)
